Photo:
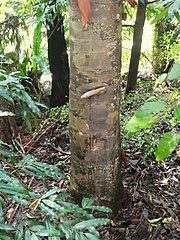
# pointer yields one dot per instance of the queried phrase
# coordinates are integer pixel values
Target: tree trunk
(8, 127)
(94, 120)
(161, 46)
(136, 48)
(58, 60)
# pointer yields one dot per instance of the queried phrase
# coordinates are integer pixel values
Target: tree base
(115, 205)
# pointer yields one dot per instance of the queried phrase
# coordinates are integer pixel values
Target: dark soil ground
(154, 209)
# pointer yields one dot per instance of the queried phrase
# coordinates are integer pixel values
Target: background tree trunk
(161, 63)
(136, 48)
(8, 127)
(58, 60)
(94, 121)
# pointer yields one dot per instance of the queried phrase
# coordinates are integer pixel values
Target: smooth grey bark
(94, 120)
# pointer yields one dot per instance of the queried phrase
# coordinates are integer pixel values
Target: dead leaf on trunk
(92, 92)
(133, 3)
(85, 8)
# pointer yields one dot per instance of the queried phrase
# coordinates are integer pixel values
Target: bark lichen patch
(78, 123)
(112, 118)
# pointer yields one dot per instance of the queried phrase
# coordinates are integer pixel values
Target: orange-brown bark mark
(133, 3)
(85, 8)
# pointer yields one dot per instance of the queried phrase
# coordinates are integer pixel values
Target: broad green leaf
(51, 226)
(20, 200)
(48, 232)
(66, 231)
(34, 237)
(175, 71)
(54, 205)
(32, 223)
(4, 143)
(5, 114)
(177, 15)
(30, 103)
(54, 238)
(15, 189)
(44, 233)
(160, 79)
(33, 171)
(7, 153)
(143, 118)
(15, 73)
(48, 170)
(177, 113)
(151, 107)
(37, 228)
(4, 236)
(50, 192)
(62, 196)
(136, 123)
(174, 95)
(160, 15)
(177, 32)
(92, 223)
(79, 236)
(19, 232)
(37, 37)
(86, 202)
(70, 222)
(9, 191)
(141, 114)
(154, 220)
(175, 6)
(48, 210)
(4, 176)
(6, 82)
(41, 105)
(91, 236)
(167, 145)
(100, 208)
(27, 235)
(6, 227)
(5, 94)
(39, 169)
(79, 212)
(1, 211)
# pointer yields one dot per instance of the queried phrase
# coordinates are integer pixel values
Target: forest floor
(154, 210)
